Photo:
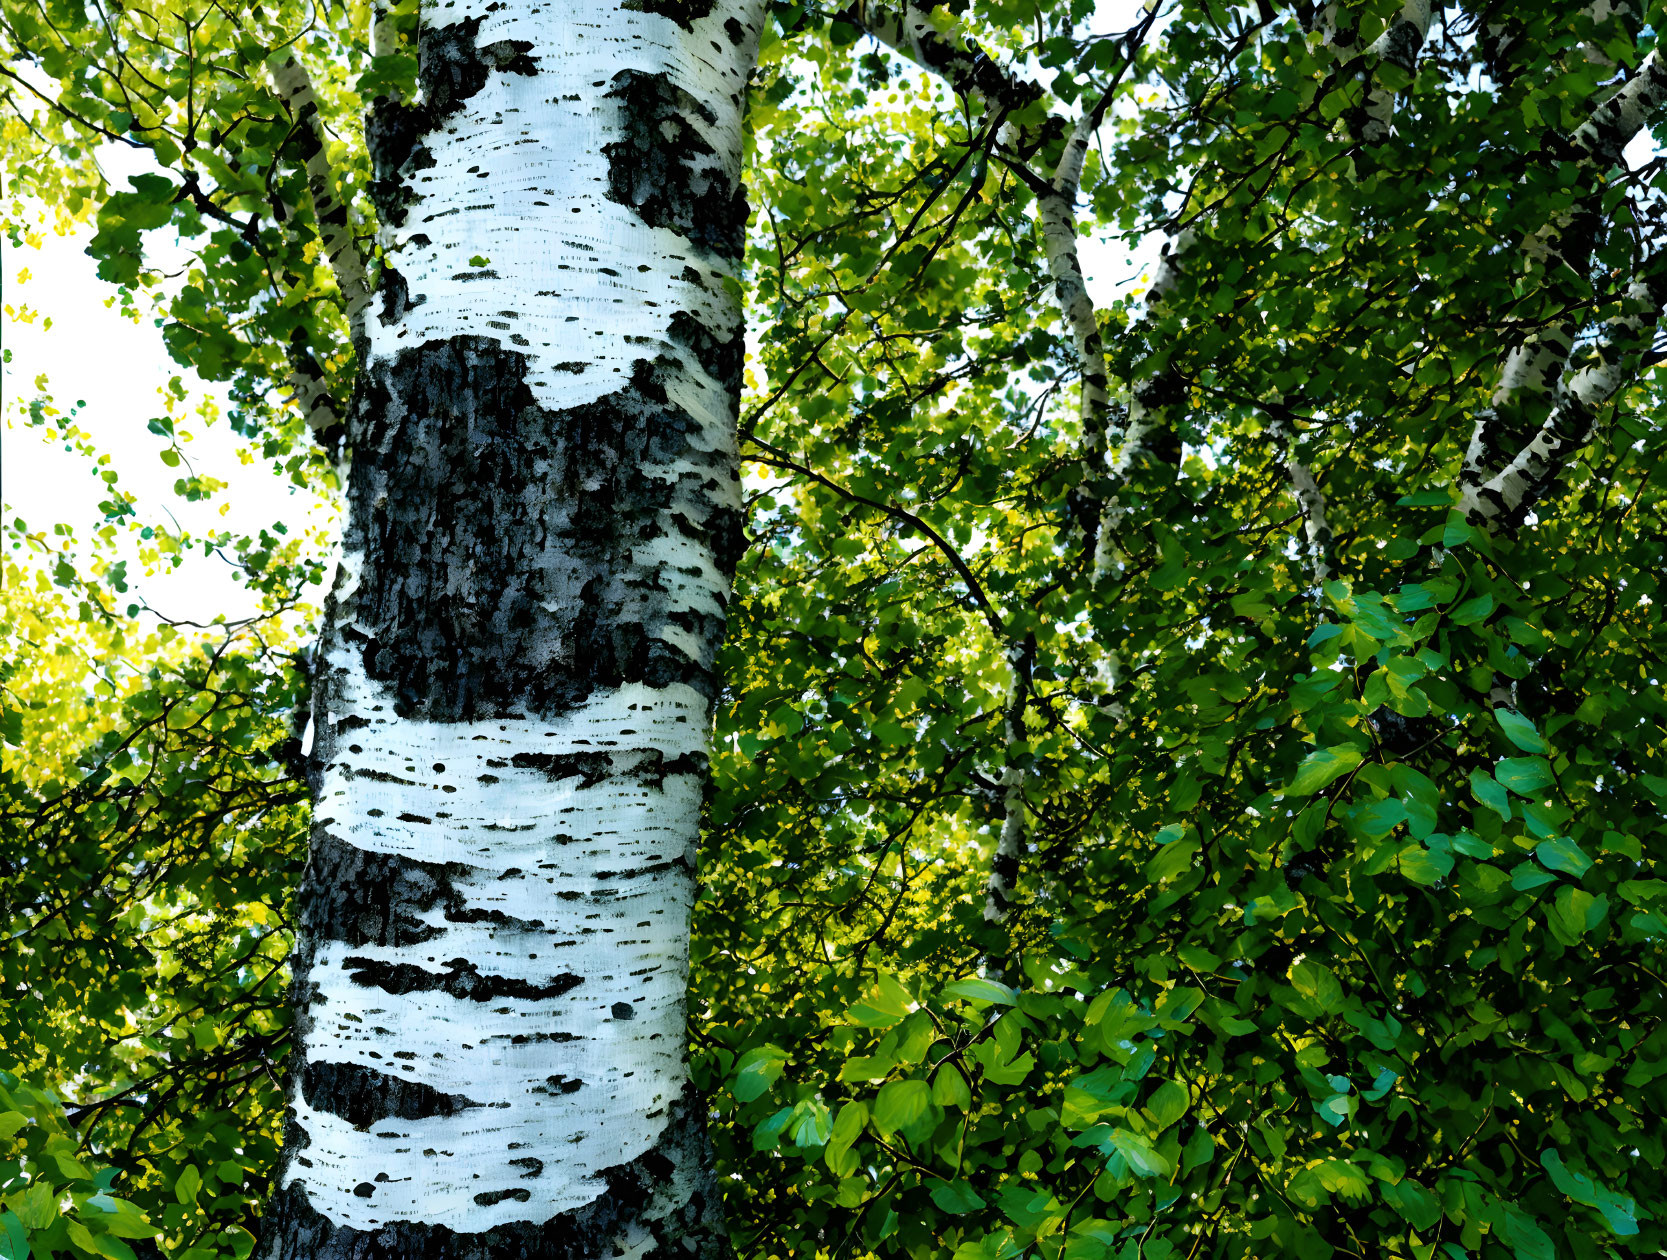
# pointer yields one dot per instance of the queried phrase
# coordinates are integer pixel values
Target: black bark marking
(450, 69)
(589, 768)
(499, 538)
(648, 766)
(684, 12)
(722, 357)
(460, 979)
(486, 1198)
(666, 171)
(362, 1096)
(645, 1193)
(364, 898)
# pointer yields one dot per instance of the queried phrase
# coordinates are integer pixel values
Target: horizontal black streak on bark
(362, 1096)
(362, 898)
(631, 1191)
(648, 766)
(498, 537)
(684, 12)
(459, 979)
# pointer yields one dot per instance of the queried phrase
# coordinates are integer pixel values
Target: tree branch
(335, 224)
(1522, 482)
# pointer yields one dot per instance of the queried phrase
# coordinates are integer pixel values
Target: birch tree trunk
(516, 678)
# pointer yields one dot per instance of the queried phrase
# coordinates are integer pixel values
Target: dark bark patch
(500, 539)
(665, 170)
(684, 12)
(363, 898)
(459, 978)
(722, 357)
(363, 1096)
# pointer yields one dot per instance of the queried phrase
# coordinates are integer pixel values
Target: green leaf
(1490, 792)
(14, 1240)
(901, 1103)
(1560, 854)
(10, 1123)
(1524, 1235)
(1424, 866)
(812, 1123)
(847, 1127)
(978, 989)
(1341, 1177)
(1318, 984)
(956, 1197)
(1167, 1104)
(1471, 611)
(37, 1207)
(755, 1072)
(1142, 1157)
(1321, 767)
(1520, 731)
(1174, 857)
(882, 1005)
(1524, 775)
(950, 1088)
(766, 1135)
(121, 1218)
(866, 1068)
(189, 1183)
(1420, 1208)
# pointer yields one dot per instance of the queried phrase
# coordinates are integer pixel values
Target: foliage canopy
(1340, 911)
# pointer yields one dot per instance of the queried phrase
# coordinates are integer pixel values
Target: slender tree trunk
(516, 675)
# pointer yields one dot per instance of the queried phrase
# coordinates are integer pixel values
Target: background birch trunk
(514, 693)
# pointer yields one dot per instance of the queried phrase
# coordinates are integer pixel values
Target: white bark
(1059, 238)
(554, 878)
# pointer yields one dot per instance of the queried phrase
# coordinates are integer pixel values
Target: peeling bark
(514, 696)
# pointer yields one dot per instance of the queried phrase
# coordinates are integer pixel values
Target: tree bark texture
(516, 676)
